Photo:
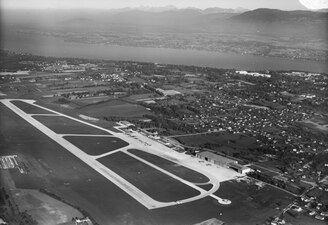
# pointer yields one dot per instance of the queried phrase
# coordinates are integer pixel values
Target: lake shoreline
(58, 47)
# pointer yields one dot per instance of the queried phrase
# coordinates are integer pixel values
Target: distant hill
(266, 32)
(261, 21)
(283, 23)
(270, 22)
(77, 21)
(222, 10)
(185, 19)
(274, 16)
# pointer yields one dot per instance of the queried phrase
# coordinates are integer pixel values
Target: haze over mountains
(189, 27)
(265, 21)
(159, 11)
(262, 21)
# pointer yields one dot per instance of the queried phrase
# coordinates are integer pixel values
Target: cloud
(315, 4)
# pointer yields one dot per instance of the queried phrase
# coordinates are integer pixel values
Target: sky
(113, 4)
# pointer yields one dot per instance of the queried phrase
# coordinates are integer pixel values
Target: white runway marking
(37, 114)
(87, 135)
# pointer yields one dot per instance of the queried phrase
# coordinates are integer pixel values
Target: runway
(154, 147)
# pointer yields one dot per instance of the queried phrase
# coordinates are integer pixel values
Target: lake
(57, 47)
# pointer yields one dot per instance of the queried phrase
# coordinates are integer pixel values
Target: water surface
(57, 47)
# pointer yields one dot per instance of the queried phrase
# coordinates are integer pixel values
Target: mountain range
(262, 21)
(265, 32)
(270, 22)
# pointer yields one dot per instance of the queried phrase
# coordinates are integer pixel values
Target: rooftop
(238, 166)
(216, 157)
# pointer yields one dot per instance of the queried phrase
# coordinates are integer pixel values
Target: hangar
(223, 161)
(239, 168)
(216, 159)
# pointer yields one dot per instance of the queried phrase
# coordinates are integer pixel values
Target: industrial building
(215, 159)
(168, 92)
(239, 168)
(223, 161)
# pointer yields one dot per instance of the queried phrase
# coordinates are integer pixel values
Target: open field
(138, 97)
(176, 169)
(74, 86)
(94, 145)
(43, 208)
(251, 203)
(184, 88)
(220, 141)
(43, 74)
(114, 108)
(157, 185)
(65, 109)
(221, 138)
(64, 125)
(2, 94)
(30, 109)
(91, 100)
